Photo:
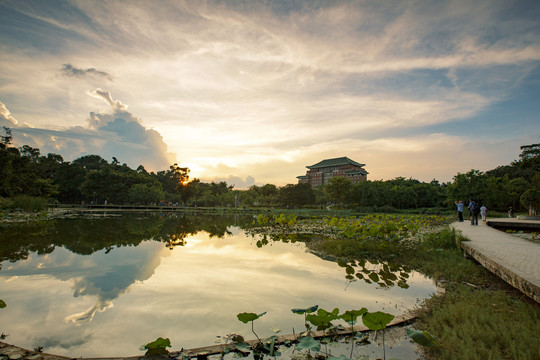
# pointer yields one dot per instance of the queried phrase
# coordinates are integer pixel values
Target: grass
(480, 316)
(481, 324)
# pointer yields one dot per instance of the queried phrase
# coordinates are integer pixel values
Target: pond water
(105, 286)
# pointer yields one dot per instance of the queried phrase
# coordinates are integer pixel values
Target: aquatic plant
(422, 337)
(276, 220)
(2, 305)
(378, 321)
(350, 317)
(305, 311)
(157, 347)
(250, 317)
(323, 319)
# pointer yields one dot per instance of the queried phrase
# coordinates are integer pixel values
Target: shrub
(29, 203)
(6, 203)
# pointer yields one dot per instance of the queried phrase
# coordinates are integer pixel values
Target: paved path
(515, 260)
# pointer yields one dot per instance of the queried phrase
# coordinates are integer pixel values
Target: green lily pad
(160, 343)
(306, 310)
(377, 320)
(307, 342)
(350, 316)
(422, 337)
(2, 304)
(322, 320)
(247, 317)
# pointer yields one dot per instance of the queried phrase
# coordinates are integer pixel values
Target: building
(320, 173)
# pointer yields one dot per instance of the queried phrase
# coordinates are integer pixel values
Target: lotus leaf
(247, 317)
(350, 316)
(377, 320)
(306, 310)
(307, 342)
(160, 343)
(422, 337)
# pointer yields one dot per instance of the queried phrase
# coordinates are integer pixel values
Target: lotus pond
(103, 286)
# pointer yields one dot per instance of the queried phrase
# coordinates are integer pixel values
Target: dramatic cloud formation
(117, 134)
(250, 89)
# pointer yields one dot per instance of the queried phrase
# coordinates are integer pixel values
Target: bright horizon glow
(253, 92)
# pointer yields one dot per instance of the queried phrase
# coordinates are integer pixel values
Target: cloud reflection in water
(117, 301)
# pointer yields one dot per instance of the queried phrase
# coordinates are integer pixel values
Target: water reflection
(383, 274)
(86, 236)
(370, 270)
(138, 278)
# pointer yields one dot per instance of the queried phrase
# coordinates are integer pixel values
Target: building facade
(320, 173)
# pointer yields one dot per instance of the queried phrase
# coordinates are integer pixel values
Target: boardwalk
(515, 260)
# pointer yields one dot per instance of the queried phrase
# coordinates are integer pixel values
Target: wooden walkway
(515, 260)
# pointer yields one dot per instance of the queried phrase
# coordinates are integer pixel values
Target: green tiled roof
(335, 162)
(356, 172)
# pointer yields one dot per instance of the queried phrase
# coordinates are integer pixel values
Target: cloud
(107, 97)
(70, 70)
(253, 84)
(238, 182)
(88, 315)
(115, 134)
(5, 116)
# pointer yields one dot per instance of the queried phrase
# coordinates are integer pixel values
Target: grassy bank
(479, 317)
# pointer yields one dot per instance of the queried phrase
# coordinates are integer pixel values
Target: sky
(252, 92)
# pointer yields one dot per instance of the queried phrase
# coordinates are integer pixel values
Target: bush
(29, 203)
(6, 203)
(444, 239)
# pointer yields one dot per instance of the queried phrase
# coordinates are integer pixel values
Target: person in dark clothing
(474, 210)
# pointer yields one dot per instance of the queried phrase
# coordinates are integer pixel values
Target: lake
(104, 286)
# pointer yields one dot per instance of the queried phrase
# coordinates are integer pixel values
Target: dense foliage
(503, 186)
(92, 179)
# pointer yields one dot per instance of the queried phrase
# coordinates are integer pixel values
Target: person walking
(483, 212)
(474, 210)
(459, 205)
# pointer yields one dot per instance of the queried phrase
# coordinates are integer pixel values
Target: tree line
(92, 179)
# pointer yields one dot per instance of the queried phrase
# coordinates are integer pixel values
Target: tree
(470, 185)
(5, 140)
(142, 170)
(90, 162)
(529, 152)
(531, 200)
(515, 188)
(403, 197)
(173, 179)
(338, 189)
(189, 190)
(269, 193)
(296, 195)
(145, 193)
